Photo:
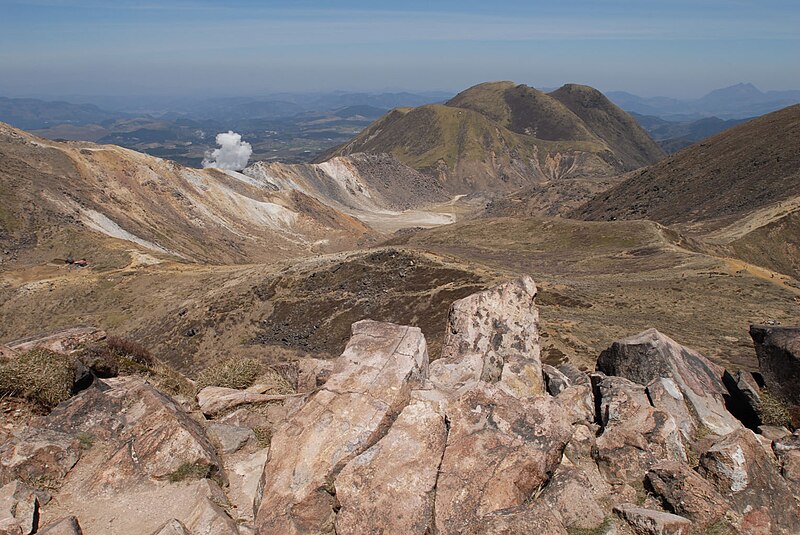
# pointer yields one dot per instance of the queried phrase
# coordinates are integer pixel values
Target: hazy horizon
(200, 48)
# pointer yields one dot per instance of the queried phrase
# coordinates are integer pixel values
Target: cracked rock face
(742, 470)
(396, 478)
(500, 451)
(369, 387)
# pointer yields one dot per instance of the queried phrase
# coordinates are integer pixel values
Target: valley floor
(599, 281)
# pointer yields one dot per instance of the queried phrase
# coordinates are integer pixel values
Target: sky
(202, 48)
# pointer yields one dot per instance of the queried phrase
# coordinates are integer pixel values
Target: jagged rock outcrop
(380, 440)
(38, 455)
(369, 387)
(396, 478)
(493, 336)
(504, 447)
(650, 355)
(741, 470)
(19, 508)
(686, 493)
(635, 434)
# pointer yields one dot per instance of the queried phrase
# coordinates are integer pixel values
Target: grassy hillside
(738, 191)
(499, 136)
(629, 141)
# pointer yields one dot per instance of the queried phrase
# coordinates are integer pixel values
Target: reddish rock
(208, 518)
(148, 433)
(216, 400)
(569, 496)
(38, 456)
(19, 505)
(500, 450)
(172, 527)
(740, 469)
(534, 519)
(369, 386)
(787, 451)
(65, 526)
(649, 522)
(635, 435)
(650, 355)
(689, 495)
(390, 487)
(665, 395)
(312, 373)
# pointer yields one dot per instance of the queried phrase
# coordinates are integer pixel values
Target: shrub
(39, 375)
(188, 471)
(230, 373)
(126, 348)
(172, 382)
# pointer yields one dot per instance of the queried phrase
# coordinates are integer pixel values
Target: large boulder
(390, 487)
(501, 449)
(39, 457)
(493, 336)
(370, 385)
(650, 355)
(778, 351)
(635, 435)
(741, 469)
(146, 432)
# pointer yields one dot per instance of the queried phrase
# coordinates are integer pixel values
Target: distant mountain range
(298, 128)
(676, 135)
(738, 101)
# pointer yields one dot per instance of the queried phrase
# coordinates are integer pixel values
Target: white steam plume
(232, 153)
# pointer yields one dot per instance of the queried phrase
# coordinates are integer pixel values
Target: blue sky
(680, 48)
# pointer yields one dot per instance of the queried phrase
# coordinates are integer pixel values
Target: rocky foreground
(486, 440)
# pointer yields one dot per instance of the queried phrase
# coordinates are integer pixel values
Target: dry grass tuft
(774, 411)
(277, 382)
(230, 373)
(39, 375)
